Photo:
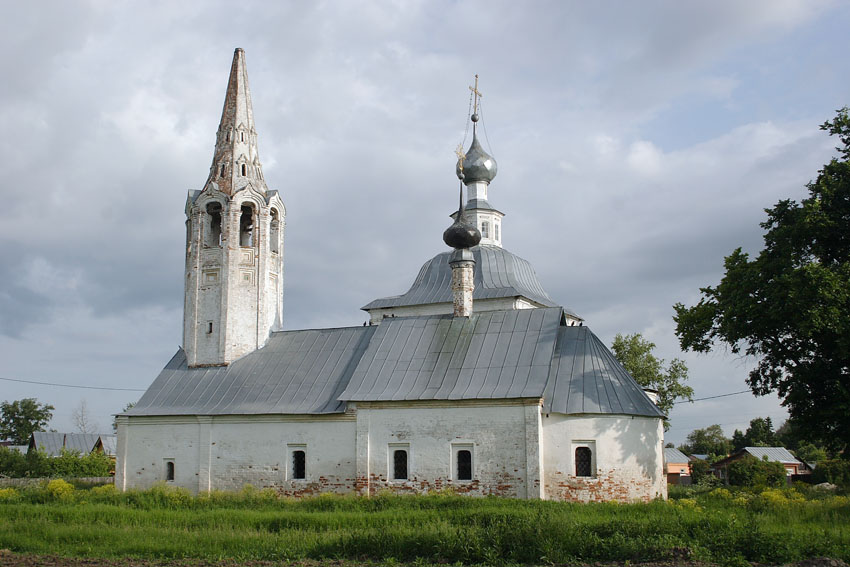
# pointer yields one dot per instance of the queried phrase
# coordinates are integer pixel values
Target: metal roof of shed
(52, 442)
(498, 273)
(672, 455)
(780, 454)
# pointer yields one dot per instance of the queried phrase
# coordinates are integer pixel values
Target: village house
(792, 465)
(473, 379)
(677, 466)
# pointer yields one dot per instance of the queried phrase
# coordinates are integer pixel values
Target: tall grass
(774, 526)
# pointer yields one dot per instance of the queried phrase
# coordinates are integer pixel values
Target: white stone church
(474, 379)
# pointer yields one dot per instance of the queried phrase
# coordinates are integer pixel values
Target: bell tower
(234, 242)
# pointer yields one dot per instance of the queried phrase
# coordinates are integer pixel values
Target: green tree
(20, 418)
(708, 441)
(790, 306)
(759, 434)
(750, 471)
(635, 354)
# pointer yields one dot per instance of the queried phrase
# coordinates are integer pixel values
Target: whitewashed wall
(227, 452)
(628, 462)
(503, 435)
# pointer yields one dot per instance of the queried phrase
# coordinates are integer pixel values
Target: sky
(638, 145)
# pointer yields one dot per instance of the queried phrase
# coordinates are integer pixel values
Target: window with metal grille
(399, 464)
(464, 465)
(485, 229)
(583, 461)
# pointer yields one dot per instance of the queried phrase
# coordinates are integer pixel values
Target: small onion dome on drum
(478, 165)
(461, 235)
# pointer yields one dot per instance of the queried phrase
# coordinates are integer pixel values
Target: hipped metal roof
(490, 355)
(498, 273)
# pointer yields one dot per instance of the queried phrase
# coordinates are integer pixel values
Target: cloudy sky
(638, 144)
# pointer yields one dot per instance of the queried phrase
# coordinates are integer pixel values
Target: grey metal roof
(109, 444)
(494, 354)
(297, 372)
(52, 442)
(672, 455)
(780, 454)
(586, 378)
(498, 273)
(525, 353)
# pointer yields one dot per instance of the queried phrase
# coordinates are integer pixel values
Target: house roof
(498, 274)
(525, 353)
(672, 455)
(109, 443)
(780, 454)
(52, 442)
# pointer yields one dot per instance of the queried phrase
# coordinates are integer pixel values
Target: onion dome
(461, 235)
(478, 165)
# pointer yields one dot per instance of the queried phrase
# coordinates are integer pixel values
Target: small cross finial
(460, 156)
(477, 94)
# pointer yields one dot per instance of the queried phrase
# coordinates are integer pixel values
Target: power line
(717, 396)
(74, 385)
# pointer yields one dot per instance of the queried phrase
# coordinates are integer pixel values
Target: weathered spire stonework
(236, 162)
(234, 242)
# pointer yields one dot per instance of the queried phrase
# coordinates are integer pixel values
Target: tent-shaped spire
(236, 162)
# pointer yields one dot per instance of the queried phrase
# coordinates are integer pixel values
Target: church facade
(474, 379)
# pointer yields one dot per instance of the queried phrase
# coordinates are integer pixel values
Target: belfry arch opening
(213, 228)
(274, 232)
(246, 226)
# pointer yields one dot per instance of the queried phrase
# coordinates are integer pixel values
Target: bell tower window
(246, 226)
(214, 224)
(485, 229)
(244, 170)
(274, 233)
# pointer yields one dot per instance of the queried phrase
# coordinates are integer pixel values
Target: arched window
(464, 464)
(244, 170)
(214, 225)
(399, 464)
(485, 229)
(246, 226)
(299, 470)
(583, 461)
(274, 233)
(222, 171)
(228, 135)
(169, 470)
(242, 136)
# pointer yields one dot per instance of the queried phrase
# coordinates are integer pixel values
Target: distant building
(53, 443)
(793, 466)
(515, 397)
(677, 466)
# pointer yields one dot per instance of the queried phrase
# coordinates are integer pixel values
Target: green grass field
(772, 526)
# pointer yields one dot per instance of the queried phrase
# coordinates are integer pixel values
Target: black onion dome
(478, 165)
(461, 235)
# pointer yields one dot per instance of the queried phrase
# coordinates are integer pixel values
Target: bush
(836, 471)
(69, 464)
(60, 489)
(8, 494)
(750, 471)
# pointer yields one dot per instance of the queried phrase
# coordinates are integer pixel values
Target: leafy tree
(759, 434)
(708, 441)
(20, 418)
(635, 354)
(750, 471)
(810, 453)
(790, 306)
(699, 471)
